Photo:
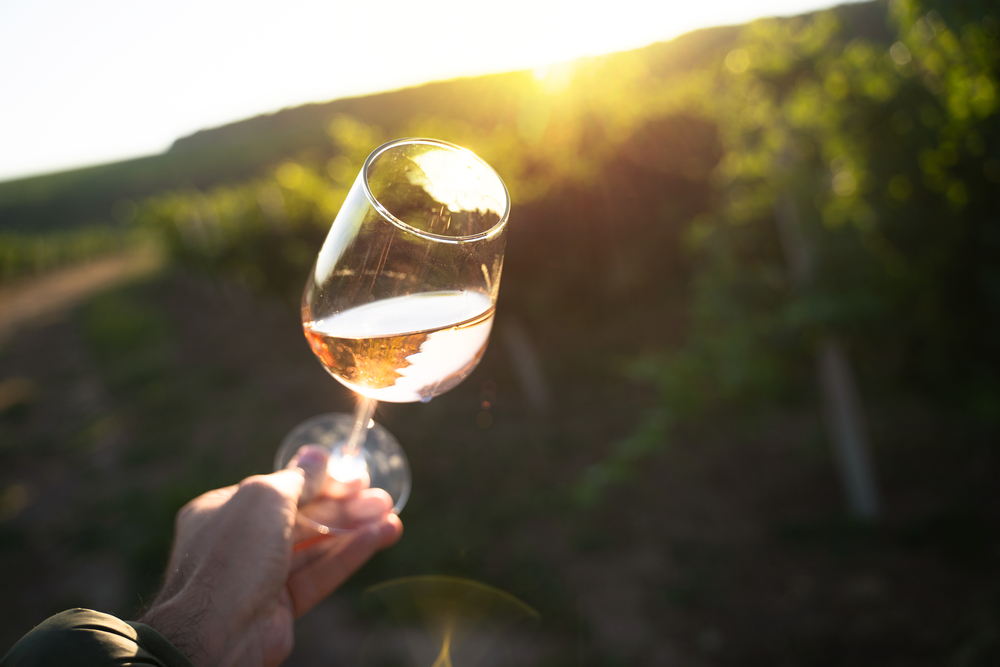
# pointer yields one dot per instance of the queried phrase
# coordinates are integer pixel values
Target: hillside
(241, 149)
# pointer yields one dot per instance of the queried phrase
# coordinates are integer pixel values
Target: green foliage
(262, 233)
(879, 153)
(858, 189)
(128, 338)
(884, 155)
(24, 254)
(265, 232)
(619, 465)
(878, 147)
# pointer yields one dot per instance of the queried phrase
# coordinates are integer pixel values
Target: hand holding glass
(400, 303)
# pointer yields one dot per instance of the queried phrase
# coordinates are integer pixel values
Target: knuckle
(185, 512)
(255, 487)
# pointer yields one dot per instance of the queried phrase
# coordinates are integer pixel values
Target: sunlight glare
(459, 184)
(243, 59)
(555, 78)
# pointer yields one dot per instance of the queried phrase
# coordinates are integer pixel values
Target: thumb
(310, 462)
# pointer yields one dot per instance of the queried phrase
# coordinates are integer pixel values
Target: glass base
(385, 461)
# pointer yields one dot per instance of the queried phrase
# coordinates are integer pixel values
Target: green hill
(242, 149)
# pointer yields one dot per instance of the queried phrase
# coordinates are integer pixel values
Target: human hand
(235, 584)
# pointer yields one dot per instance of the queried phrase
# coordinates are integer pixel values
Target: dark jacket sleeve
(84, 638)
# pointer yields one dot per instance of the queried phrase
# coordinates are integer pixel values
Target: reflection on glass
(400, 304)
(438, 621)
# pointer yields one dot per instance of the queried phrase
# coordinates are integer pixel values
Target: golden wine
(408, 348)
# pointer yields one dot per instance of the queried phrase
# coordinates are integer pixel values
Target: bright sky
(85, 82)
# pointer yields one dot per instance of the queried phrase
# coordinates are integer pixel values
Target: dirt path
(35, 299)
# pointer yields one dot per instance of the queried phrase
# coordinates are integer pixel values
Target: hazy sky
(84, 82)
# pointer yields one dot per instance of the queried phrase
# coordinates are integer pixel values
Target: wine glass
(399, 304)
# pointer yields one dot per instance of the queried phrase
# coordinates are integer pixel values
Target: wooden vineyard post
(843, 412)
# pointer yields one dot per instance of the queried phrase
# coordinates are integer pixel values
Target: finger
(336, 488)
(199, 510)
(303, 558)
(317, 519)
(336, 559)
(362, 508)
(209, 500)
(305, 474)
(311, 546)
(391, 535)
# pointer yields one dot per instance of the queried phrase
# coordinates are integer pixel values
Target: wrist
(181, 622)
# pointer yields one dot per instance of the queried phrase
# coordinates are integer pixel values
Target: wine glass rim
(491, 232)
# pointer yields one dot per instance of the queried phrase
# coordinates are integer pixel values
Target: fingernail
(311, 457)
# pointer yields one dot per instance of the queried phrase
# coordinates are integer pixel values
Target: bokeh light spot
(900, 54)
(290, 175)
(341, 169)
(738, 61)
(844, 184)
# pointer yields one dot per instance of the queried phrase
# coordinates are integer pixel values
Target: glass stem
(362, 415)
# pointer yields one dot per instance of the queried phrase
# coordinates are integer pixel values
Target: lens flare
(438, 621)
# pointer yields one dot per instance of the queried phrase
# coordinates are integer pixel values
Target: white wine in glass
(400, 303)
(408, 348)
